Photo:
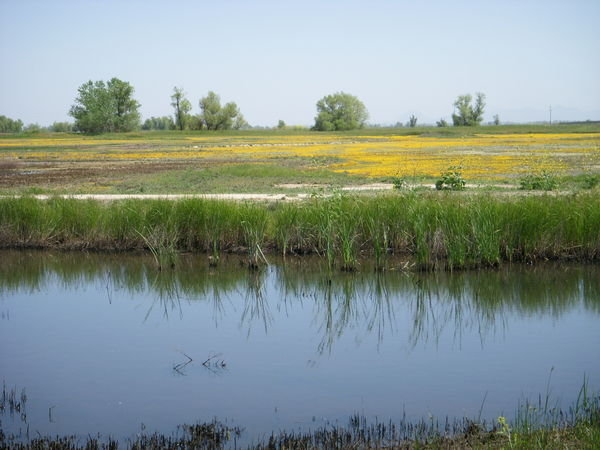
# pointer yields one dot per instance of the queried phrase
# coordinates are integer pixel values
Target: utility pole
(550, 114)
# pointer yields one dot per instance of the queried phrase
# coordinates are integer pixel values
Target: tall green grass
(438, 230)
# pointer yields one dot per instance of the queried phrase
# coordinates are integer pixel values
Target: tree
(217, 117)
(195, 122)
(412, 121)
(61, 127)
(340, 111)
(467, 114)
(211, 108)
(126, 116)
(33, 128)
(442, 123)
(240, 122)
(281, 124)
(105, 107)
(182, 107)
(496, 119)
(8, 125)
(159, 123)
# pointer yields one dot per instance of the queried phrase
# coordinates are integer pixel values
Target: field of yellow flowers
(481, 156)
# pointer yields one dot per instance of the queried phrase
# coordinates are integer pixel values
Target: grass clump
(254, 222)
(448, 232)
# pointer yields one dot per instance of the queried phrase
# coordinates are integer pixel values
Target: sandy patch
(358, 187)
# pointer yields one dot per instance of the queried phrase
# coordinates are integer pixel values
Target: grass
(262, 160)
(577, 428)
(242, 177)
(168, 135)
(439, 229)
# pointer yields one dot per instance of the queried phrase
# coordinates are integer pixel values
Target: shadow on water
(364, 301)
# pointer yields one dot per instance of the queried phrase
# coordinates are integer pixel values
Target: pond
(104, 343)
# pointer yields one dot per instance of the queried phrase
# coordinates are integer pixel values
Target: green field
(492, 158)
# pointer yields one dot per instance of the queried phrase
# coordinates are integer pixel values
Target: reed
(348, 224)
(325, 212)
(254, 221)
(556, 428)
(439, 230)
(378, 232)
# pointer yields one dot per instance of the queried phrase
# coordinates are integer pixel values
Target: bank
(437, 230)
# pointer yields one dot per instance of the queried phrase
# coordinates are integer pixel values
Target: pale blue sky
(275, 59)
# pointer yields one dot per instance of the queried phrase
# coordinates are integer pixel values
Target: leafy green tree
(159, 123)
(105, 107)
(61, 127)
(281, 124)
(8, 125)
(467, 114)
(412, 121)
(182, 108)
(441, 123)
(340, 111)
(496, 119)
(240, 122)
(195, 122)
(33, 128)
(126, 116)
(217, 117)
(211, 109)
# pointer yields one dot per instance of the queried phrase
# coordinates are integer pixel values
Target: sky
(276, 59)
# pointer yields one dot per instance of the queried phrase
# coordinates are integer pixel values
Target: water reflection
(256, 305)
(364, 303)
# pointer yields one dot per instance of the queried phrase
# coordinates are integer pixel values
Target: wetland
(105, 343)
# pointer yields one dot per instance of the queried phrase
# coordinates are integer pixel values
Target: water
(100, 343)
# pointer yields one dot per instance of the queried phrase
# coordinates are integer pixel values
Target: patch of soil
(73, 173)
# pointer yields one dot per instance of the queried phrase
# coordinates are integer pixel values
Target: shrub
(399, 182)
(543, 181)
(451, 179)
(590, 181)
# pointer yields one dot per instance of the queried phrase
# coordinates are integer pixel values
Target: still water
(107, 344)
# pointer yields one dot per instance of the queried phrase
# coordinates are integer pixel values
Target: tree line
(8, 125)
(103, 107)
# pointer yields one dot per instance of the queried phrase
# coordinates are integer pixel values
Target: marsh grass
(254, 220)
(286, 224)
(442, 230)
(378, 233)
(9, 401)
(162, 243)
(579, 427)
